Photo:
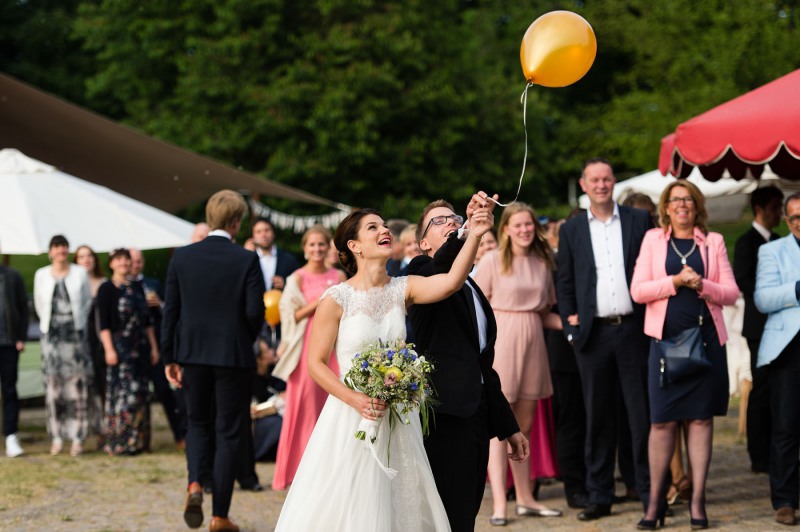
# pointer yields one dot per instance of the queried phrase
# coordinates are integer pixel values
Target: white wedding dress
(339, 485)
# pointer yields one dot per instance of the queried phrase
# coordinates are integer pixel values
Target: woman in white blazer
(62, 297)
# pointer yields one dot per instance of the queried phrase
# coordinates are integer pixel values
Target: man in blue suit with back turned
(778, 295)
(213, 312)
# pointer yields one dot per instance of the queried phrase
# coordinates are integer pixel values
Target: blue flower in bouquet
(390, 354)
(414, 386)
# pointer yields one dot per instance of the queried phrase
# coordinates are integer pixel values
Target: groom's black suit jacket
(447, 334)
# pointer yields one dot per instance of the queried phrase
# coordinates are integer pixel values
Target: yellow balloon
(558, 49)
(272, 313)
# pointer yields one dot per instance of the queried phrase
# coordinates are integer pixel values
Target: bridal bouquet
(395, 373)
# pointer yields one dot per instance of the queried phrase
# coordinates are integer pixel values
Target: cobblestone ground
(99, 493)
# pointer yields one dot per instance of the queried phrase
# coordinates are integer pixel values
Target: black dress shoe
(595, 511)
(208, 489)
(578, 500)
(252, 487)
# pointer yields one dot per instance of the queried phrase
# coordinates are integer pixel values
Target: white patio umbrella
(37, 201)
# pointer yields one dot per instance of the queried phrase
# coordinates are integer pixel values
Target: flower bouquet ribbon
(394, 373)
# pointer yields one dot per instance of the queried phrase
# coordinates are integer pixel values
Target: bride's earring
(358, 253)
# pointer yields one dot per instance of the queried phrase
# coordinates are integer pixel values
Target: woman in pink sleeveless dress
(518, 282)
(304, 398)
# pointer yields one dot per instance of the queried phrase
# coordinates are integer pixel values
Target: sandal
(679, 491)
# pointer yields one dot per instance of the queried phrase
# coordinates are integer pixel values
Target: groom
(458, 336)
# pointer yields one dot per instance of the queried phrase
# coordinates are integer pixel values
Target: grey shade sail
(82, 143)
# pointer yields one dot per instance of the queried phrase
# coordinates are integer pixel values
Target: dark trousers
(784, 376)
(246, 471)
(266, 433)
(570, 420)
(458, 450)
(613, 362)
(9, 369)
(759, 415)
(624, 449)
(172, 401)
(225, 391)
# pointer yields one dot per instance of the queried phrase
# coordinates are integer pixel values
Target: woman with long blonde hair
(517, 280)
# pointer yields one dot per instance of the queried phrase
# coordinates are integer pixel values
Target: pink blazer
(652, 286)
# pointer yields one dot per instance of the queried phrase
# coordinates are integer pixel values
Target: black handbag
(682, 355)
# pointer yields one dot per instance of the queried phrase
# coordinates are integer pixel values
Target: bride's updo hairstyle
(347, 231)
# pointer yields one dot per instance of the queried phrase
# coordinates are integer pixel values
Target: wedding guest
(13, 333)
(86, 257)
(766, 203)
(129, 340)
(518, 283)
(304, 397)
(396, 227)
(681, 483)
(408, 238)
(276, 264)
(172, 401)
(569, 414)
(62, 297)
(268, 405)
(332, 259)
(638, 200)
(777, 295)
(488, 243)
(684, 277)
(596, 255)
(213, 311)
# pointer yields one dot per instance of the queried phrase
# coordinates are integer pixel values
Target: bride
(339, 485)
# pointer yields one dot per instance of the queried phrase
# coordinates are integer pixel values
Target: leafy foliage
(391, 104)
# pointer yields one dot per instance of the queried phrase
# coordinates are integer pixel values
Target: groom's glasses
(441, 220)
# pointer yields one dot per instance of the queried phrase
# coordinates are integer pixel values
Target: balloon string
(523, 99)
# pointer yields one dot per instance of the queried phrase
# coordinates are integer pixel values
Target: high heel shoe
(653, 524)
(699, 524)
(650, 524)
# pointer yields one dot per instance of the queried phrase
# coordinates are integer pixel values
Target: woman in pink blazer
(684, 277)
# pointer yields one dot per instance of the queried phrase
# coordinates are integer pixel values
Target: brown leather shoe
(785, 516)
(222, 524)
(193, 511)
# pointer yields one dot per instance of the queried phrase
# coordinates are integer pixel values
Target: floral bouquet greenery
(396, 374)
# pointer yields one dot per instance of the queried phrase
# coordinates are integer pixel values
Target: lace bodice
(367, 316)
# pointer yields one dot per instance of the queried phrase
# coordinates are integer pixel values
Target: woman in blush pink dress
(304, 398)
(518, 282)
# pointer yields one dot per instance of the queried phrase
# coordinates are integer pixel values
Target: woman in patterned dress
(62, 297)
(86, 257)
(129, 340)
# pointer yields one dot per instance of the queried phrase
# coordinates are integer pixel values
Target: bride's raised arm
(431, 289)
(320, 347)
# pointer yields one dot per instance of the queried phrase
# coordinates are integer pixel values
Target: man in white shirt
(276, 264)
(596, 256)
